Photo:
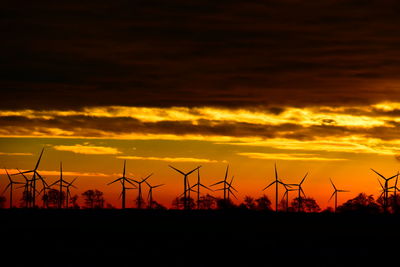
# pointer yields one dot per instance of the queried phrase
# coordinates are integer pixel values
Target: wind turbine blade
(383, 177)
(226, 172)
(148, 176)
(332, 184)
(284, 195)
(22, 172)
(231, 180)
(301, 189)
(71, 183)
(230, 191)
(123, 173)
(158, 185)
(49, 187)
(5, 189)
(193, 170)
(269, 185)
(107, 184)
(233, 188)
(391, 177)
(303, 178)
(206, 187)
(8, 175)
(23, 175)
(130, 182)
(38, 162)
(176, 170)
(220, 182)
(332, 196)
(276, 172)
(343, 191)
(383, 188)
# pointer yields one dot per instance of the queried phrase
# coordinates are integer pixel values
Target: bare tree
(93, 199)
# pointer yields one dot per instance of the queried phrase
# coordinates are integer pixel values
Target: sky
(312, 86)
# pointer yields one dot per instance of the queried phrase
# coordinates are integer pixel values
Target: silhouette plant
(93, 199)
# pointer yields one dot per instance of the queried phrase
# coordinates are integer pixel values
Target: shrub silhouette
(362, 203)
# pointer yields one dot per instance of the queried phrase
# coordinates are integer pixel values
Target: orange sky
(98, 159)
(312, 86)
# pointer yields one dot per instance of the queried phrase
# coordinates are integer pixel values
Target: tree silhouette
(93, 199)
(158, 206)
(307, 204)
(74, 201)
(179, 203)
(225, 203)
(2, 202)
(362, 203)
(207, 202)
(27, 197)
(249, 203)
(263, 203)
(51, 198)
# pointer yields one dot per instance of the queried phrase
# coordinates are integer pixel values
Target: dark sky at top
(196, 53)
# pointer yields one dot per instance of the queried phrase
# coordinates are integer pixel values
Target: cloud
(208, 53)
(57, 173)
(169, 159)
(15, 154)
(293, 156)
(88, 150)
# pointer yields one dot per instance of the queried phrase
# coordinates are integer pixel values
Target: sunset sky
(313, 86)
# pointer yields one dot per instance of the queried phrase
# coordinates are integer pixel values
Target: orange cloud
(88, 150)
(169, 159)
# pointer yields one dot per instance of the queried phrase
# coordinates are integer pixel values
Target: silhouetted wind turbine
(224, 182)
(395, 189)
(335, 193)
(10, 185)
(139, 183)
(150, 195)
(27, 194)
(185, 178)
(287, 190)
(386, 188)
(35, 173)
(123, 179)
(68, 192)
(300, 190)
(230, 187)
(276, 182)
(198, 185)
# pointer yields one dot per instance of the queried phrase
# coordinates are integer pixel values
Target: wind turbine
(230, 187)
(287, 190)
(300, 190)
(224, 182)
(28, 192)
(150, 195)
(35, 173)
(395, 189)
(139, 183)
(386, 188)
(335, 193)
(10, 185)
(276, 182)
(68, 193)
(185, 179)
(198, 184)
(123, 179)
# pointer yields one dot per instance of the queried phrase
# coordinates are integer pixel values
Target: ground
(196, 238)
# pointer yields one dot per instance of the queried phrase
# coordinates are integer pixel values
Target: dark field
(197, 238)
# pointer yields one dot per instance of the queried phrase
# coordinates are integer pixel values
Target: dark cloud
(107, 127)
(185, 53)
